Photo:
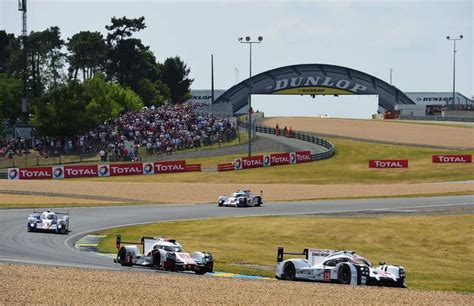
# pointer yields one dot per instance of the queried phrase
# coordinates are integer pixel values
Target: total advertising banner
(248, 162)
(30, 173)
(279, 159)
(60, 172)
(401, 163)
(63, 172)
(170, 166)
(452, 159)
(126, 169)
(303, 156)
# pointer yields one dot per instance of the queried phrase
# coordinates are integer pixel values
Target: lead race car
(241, 198)
(164, 254)
(344, 267)
(48, 221)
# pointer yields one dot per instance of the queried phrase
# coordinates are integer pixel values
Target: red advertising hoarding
(248, 162)
(388, 163)
(80, 171)
(126, 169)
(303, 156)
(452, 159)
(279, 159)
(37, 173)
(170, 166)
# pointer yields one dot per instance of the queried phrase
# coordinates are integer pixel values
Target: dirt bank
(379, 130)
(24, 284)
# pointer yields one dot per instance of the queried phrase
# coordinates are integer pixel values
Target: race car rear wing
(56, 212)
(118, 242)
(281, 253)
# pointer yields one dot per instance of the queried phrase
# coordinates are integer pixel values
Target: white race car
(241, 198)
(161, 253)
(48, 221)
(343, 267)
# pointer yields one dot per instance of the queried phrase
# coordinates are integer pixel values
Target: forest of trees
(72, 85)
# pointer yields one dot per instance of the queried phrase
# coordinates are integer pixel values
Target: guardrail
(331, 150)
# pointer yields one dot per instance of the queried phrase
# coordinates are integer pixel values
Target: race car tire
(201, 270)
(259, 201)
(156, 261)
(344, 275)
(124, 258)
(219, 204)
(289, 271)
(62, 230)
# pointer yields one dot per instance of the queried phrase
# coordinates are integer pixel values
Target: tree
(10, 97)
(175, 75)
(87, 53)
(9, 54)
(73, 108)
(153, 93)
(45, 60)
(129, 61)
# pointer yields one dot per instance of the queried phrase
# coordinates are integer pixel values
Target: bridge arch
(314, 79)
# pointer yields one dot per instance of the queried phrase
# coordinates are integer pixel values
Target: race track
(18, 245)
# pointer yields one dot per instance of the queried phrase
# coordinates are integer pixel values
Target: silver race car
(241, 198)
(48, 221)
(343, 267)
(164, 254)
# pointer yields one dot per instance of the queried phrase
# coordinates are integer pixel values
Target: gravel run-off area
(25, 284)
(381, 130)
(207, 193)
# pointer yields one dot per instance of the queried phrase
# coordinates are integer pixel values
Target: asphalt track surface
(19, 246)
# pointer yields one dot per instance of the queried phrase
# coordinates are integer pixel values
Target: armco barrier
(305, 137)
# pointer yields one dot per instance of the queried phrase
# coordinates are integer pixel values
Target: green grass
(348, 166)
(436, 250)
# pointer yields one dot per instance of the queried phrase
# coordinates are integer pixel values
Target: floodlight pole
(454, 65)
(24, 103)
(250, 42)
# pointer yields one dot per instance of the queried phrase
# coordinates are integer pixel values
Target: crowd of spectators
(160, 130)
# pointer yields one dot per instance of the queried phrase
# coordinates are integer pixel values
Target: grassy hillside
(435, 250)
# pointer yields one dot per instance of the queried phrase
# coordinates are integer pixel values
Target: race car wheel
(259, 201)
(201, 270)
(219, 204)
(124, 258)
(62, 230)
(289, 271)
(156, 261)
(344, 275)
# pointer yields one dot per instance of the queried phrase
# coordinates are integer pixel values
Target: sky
(372, 36)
